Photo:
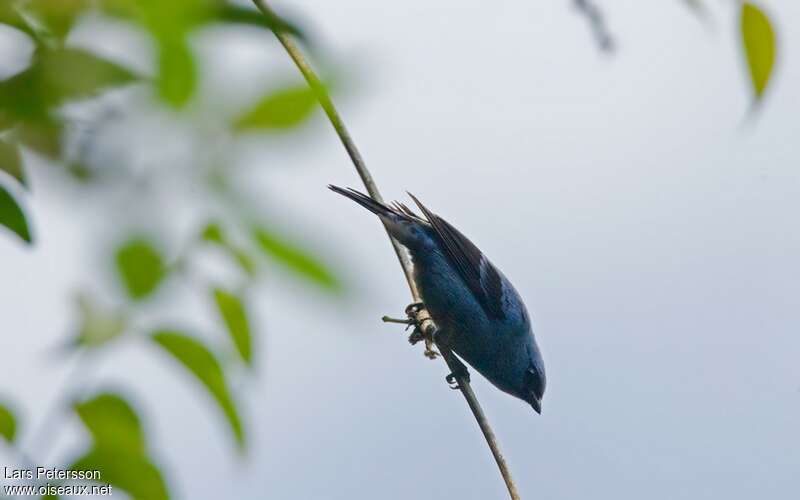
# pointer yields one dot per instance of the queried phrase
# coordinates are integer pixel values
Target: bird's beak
(537, 405)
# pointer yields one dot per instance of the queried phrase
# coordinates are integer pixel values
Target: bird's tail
(401, 223)
(365, 201)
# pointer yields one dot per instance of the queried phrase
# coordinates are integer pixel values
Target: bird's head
(535, 382)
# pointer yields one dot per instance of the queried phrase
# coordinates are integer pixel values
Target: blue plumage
(479, 313)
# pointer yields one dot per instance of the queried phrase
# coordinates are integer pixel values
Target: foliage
(98, 325)
(12, 216)
(758, 38)
(295, 259)
(198, 359)
(233, 313)
(282, 109)
(119, 447)
(141, 267)
(8, 424)
(34, 105)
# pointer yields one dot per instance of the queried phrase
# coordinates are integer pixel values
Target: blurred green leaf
(199, 360)
(54, 77)
(69, 73)
(80, 172)
(234, 315)
(132, 473)
(98, 326)
(759, 42)
(11, 162)
(125, 9)
(8, 424)
(213, 233)
(12, 216)
(176, 70)
(43, 136)
(245, 261)
(280, 110)
(10, 15)
(58, 75)
(21, 96)
(295, 259)
(58, 15)
(141, 267)
(235, 14)
(113, 424)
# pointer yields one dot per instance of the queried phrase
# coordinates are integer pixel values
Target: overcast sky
(651, 229)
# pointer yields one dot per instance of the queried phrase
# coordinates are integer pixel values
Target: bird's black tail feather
(365, 201)
(393, 213)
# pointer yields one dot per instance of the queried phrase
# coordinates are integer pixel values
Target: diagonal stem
(402, 255)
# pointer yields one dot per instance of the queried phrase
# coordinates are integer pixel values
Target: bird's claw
(460, 373)
(416, 336)
(413, 308)
(430, 352)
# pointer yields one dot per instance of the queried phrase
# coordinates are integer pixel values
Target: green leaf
(235, 14)
(9, 15)
(113, 424)
(21, 96)
(98, 326)
(141, 267)
(280, 110)
(295, 259)
(234, 315)
(12, 216)
(132, 473)
(42, 136)
(199, 360)
(69, 73)
(8, 424)
(245, 261)
(759, 42)
(213, 233)
(54, 77)
(11, 162)
(58, 15)
(125, 9)
(177, 76)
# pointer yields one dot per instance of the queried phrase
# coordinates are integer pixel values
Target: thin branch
(597, 24)
(402, 255)
(45, 436)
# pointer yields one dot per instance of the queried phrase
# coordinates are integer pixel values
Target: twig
(402, 255)
(45, 435)
(597, 24)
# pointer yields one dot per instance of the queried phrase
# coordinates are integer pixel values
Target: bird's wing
(482, 278)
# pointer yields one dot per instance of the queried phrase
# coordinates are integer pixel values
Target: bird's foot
(414, 308)
(417, 317)
(459, 373)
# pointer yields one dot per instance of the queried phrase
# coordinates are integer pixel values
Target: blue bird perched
(480, 315)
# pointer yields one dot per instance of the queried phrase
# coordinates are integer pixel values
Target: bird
(479, 314)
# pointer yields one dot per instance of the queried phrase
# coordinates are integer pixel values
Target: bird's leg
(459, 372)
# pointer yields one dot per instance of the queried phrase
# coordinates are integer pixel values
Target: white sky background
(651, 229)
